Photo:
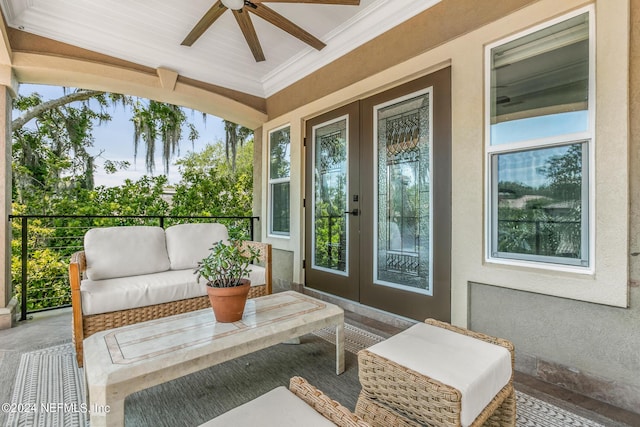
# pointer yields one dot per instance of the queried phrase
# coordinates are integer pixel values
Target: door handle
(354, 212)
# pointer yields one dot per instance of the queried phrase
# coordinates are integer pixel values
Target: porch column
(8, 90)
(7, 302)
(8, 87)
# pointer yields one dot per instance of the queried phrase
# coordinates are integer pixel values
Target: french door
(332, 202)
(378, 200)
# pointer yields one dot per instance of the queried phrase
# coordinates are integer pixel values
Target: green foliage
(209, 187)
(53, 175)
(142, 197)
(47, 285)
(226, 264)
(330, 222)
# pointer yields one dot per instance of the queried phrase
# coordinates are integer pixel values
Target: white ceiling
(149, 32)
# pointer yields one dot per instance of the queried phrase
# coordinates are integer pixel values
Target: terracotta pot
(228, 303)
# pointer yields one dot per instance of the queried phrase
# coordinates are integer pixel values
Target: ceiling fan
(257, 7)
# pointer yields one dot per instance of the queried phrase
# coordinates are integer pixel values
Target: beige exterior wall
(465, 54)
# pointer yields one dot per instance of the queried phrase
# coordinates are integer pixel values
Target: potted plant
(226, 270)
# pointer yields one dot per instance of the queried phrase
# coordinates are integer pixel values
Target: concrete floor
(54, 327)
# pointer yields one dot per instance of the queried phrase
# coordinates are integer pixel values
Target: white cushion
(104, 296)
(125, 251)
(478, 369)
(256, 275)
(277, 408)
(122, 293)
(187, 244)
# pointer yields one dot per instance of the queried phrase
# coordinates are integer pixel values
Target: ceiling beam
(71, 72)
(168, 78)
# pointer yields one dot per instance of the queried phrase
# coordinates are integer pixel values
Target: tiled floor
(51, 328)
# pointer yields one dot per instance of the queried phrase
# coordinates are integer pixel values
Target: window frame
(272, 182)
(492, 152)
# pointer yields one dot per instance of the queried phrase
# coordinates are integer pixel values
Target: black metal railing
(43, 244)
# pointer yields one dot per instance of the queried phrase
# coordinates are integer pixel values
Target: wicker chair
(394, 395)
(84, 325)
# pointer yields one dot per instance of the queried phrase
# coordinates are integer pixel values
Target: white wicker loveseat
(131, 274)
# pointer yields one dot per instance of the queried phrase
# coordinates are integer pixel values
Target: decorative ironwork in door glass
(330, 236)
(403, 212)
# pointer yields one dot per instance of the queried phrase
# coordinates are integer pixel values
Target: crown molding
(382, 16)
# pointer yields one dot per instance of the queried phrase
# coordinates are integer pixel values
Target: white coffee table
(121, 361)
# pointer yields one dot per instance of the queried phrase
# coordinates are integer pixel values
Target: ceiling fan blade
(283, 23)
(205, 22)
(342, 2)
(244, 21)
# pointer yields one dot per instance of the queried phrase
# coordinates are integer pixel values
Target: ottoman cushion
(277, 408)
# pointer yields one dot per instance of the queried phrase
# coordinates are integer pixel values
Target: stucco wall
(588, 348)
(591, 348)
(282, 270)
(608, 283)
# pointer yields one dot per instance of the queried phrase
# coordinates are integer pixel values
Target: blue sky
(115, 140)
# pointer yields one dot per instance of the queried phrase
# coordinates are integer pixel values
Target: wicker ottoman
(434, 374)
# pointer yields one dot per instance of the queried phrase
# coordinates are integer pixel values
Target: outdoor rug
(49, 388)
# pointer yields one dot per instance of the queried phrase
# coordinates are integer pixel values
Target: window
(279, 179)
(540, 144)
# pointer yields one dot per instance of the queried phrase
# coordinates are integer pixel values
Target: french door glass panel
(330, 196)
(402, 245)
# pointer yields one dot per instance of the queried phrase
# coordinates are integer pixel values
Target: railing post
(251, 228)
(25, 254)
(162, 221)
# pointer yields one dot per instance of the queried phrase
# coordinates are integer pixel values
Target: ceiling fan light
(233, 4)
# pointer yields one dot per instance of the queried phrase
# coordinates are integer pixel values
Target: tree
(35, 106)
(159, 121)
(52, 155)
(234, 135)
(141, 197)
(564, 172)
(209, 187)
